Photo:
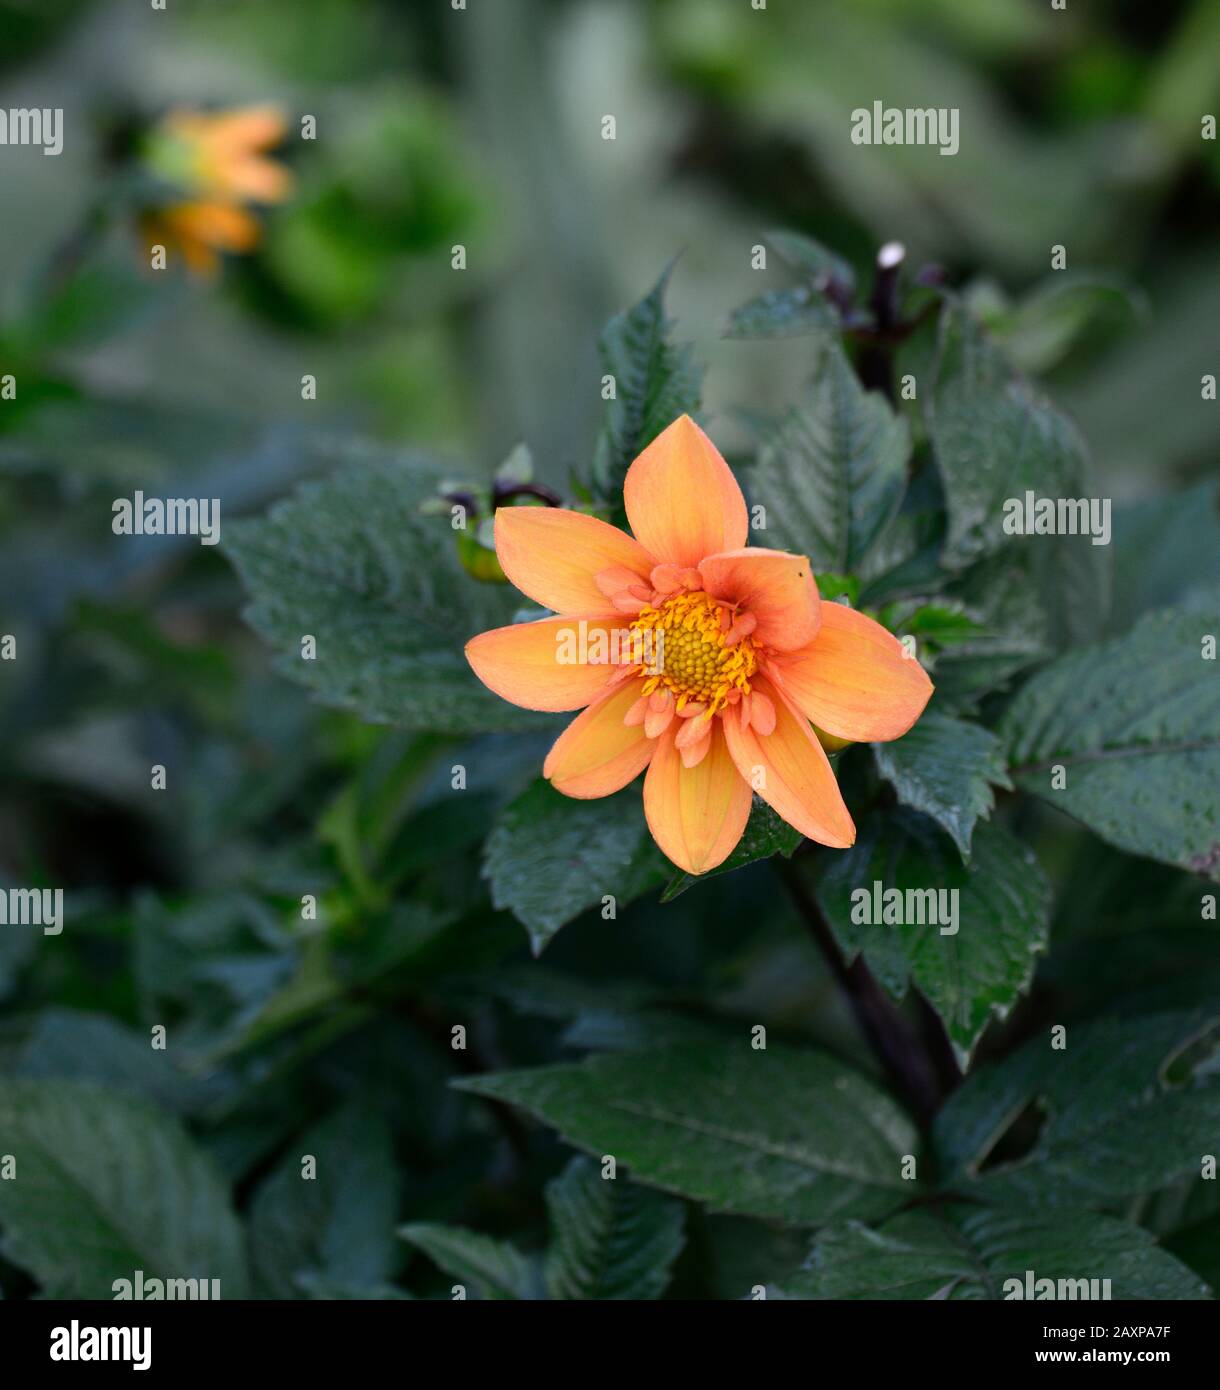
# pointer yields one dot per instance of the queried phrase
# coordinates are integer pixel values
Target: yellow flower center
(688, 651)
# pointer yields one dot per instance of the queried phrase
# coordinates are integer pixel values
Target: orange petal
(261, 180)
(856, 680)
(553, 664)
(789, 770)
(777, 588)
(218, 224)
(696, 814)
(249, 127)
(682, 501)
(660, 713)
(597, 753)
(762, 713)
(555, 556)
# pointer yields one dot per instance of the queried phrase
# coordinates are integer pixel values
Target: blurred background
(481, 128)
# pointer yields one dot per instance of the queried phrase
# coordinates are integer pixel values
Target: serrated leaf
(549, 857)
(336, 1226)
(833, 475)
(995, 591)
(766, 833)
(495, 1268)
(1127, 1107)
(655, 382)
(970, 1253)
(1003, 902)
(784, 1133)
(811, 258)
(1135, 724)
(993, 438)
(106, 1185)
(350, 561)
(945, 767)
(610, 1238)
(788, 313)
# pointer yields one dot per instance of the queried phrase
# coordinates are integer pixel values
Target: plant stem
(899, 1048)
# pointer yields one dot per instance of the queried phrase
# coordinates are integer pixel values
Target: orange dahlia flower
(691, 655)
(219, 159)
(221, 154)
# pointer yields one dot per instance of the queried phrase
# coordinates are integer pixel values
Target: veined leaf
(788, 313)
(495, 1268)
(833, 475)
(655, 381)
(610, 1238)
(945, 767)
(993, 439)
(969, 968)
(1134, 724)
(105, 1186)
(785, 1133)
(349, 561)
(549, 857)
(1127, 1106)
(976, 1253)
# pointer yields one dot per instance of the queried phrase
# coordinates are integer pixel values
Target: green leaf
(784, 1133)
(833, 474)
(106, 1186)
(610, 1238)
(336, 1226)
(326, 1290)
(766, 833)
(788, 313)
(937, 624)
(834, 586)
(994, 438)
(1126, 1107)
(1003, 900)
(655, 381)
(1166, 551)
(495, 1269)
(812, 259)
(549, 857)
(970, 1253)
(1039, 332)
(76, 1046)
(945, 768)
(1135, 724)
(350, 561)
(997, 593)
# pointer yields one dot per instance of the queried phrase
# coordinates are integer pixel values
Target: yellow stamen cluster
(693, 661)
